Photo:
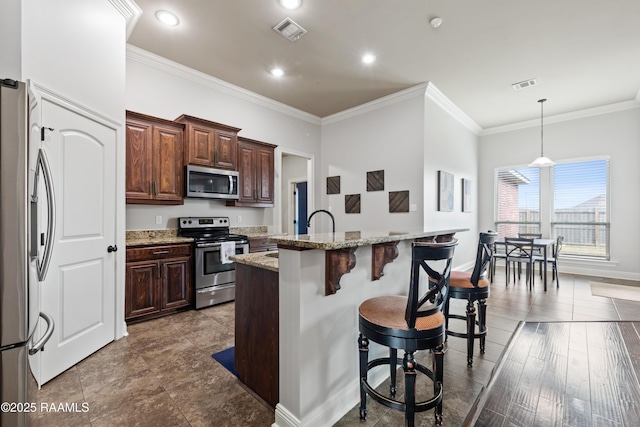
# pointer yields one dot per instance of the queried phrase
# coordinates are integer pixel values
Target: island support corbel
(381, 255)
(338, 262)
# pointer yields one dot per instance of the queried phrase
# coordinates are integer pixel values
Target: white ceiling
(583, 53)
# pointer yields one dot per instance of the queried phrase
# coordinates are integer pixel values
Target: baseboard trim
(332, 410)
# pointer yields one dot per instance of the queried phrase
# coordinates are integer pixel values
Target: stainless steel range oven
(215, 274)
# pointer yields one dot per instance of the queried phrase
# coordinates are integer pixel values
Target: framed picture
(466, 195)
(445, 191)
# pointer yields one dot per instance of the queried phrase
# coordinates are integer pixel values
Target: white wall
(76, 48)
(451, 147)
(388, 138)
(410, 137)
(11, 36)
(161, 88)
(616, 134)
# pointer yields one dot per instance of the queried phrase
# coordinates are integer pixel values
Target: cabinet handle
(151, 187)
(160, 252)
(155, 188)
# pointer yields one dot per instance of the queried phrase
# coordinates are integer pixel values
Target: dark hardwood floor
(163, 374)
(566, 374)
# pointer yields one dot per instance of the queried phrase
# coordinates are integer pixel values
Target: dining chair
(499, 253)
(530, 235)
(520, 251)
(553, 260)
(536, 251)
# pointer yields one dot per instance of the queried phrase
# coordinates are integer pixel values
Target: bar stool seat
(473, 287)
(409, 323)
(388, 312)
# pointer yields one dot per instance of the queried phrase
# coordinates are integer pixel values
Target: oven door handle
(209, 246)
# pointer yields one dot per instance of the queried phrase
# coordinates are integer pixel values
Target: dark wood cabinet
(261, 244)
(158, 281)
(257, 331)
(210, 144)
(154, 165)
(256, 168)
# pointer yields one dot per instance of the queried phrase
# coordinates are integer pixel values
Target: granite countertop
(155, 237)
(353, 239)
(266, 260)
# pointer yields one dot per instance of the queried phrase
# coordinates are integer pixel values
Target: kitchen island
(322, 279)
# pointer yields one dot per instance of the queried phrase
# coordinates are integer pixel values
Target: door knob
(113, 248)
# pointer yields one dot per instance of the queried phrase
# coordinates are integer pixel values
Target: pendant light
(542, 161)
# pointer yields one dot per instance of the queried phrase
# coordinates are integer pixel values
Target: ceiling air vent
(524, 84)
(290, 29)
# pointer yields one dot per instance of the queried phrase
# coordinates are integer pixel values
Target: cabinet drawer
(157, 252)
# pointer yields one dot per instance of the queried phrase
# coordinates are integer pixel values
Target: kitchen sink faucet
(333, 220)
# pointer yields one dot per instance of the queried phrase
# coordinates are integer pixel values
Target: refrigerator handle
(51, 215)
(40, 344)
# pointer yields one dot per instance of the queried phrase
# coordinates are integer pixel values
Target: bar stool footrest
(397, 404)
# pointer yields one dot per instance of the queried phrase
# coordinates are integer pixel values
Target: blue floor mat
(225, 358)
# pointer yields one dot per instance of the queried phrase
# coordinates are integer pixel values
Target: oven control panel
(203, 222)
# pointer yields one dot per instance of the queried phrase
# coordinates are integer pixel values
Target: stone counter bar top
(340, 248)
(354, 239)
(154, 237)
(266, 260)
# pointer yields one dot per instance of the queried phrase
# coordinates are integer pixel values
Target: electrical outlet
(413, 207)
(239, 219)
(158, 219)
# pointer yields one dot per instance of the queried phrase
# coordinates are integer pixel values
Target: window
(580, 207)
(576, 194)
(517, 201)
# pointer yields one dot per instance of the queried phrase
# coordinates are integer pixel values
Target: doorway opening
(296, 191)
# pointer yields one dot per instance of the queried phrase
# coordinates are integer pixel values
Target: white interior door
(79, 291)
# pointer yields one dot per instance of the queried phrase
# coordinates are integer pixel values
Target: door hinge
(42, 129)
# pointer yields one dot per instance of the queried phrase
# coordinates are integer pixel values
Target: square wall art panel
(399, 201)
(466, 195)
(333, 185)
(352, 203)
(445, 191)
(375, 181)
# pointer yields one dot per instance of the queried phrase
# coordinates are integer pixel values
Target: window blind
(580, 207)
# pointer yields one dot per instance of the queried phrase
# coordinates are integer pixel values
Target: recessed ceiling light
(291, 4)
(278, 72)
(368, 58)
(167, 18)
(436, 22)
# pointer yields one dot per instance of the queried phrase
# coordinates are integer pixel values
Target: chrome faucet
(333, 220)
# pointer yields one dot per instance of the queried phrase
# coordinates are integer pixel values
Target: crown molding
(445, 103)
(131, 12)
(376, 104)
(574, 115)
(163, 64)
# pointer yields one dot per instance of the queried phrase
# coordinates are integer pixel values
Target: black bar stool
(473, 287)
(410, 323)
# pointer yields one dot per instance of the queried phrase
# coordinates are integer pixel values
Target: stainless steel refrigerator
(26, 238)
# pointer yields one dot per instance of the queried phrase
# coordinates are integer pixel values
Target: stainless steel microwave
(211, 183)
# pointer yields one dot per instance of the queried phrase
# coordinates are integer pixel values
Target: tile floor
(163, 374)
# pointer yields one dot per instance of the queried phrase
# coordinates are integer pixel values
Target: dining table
(546, 248)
